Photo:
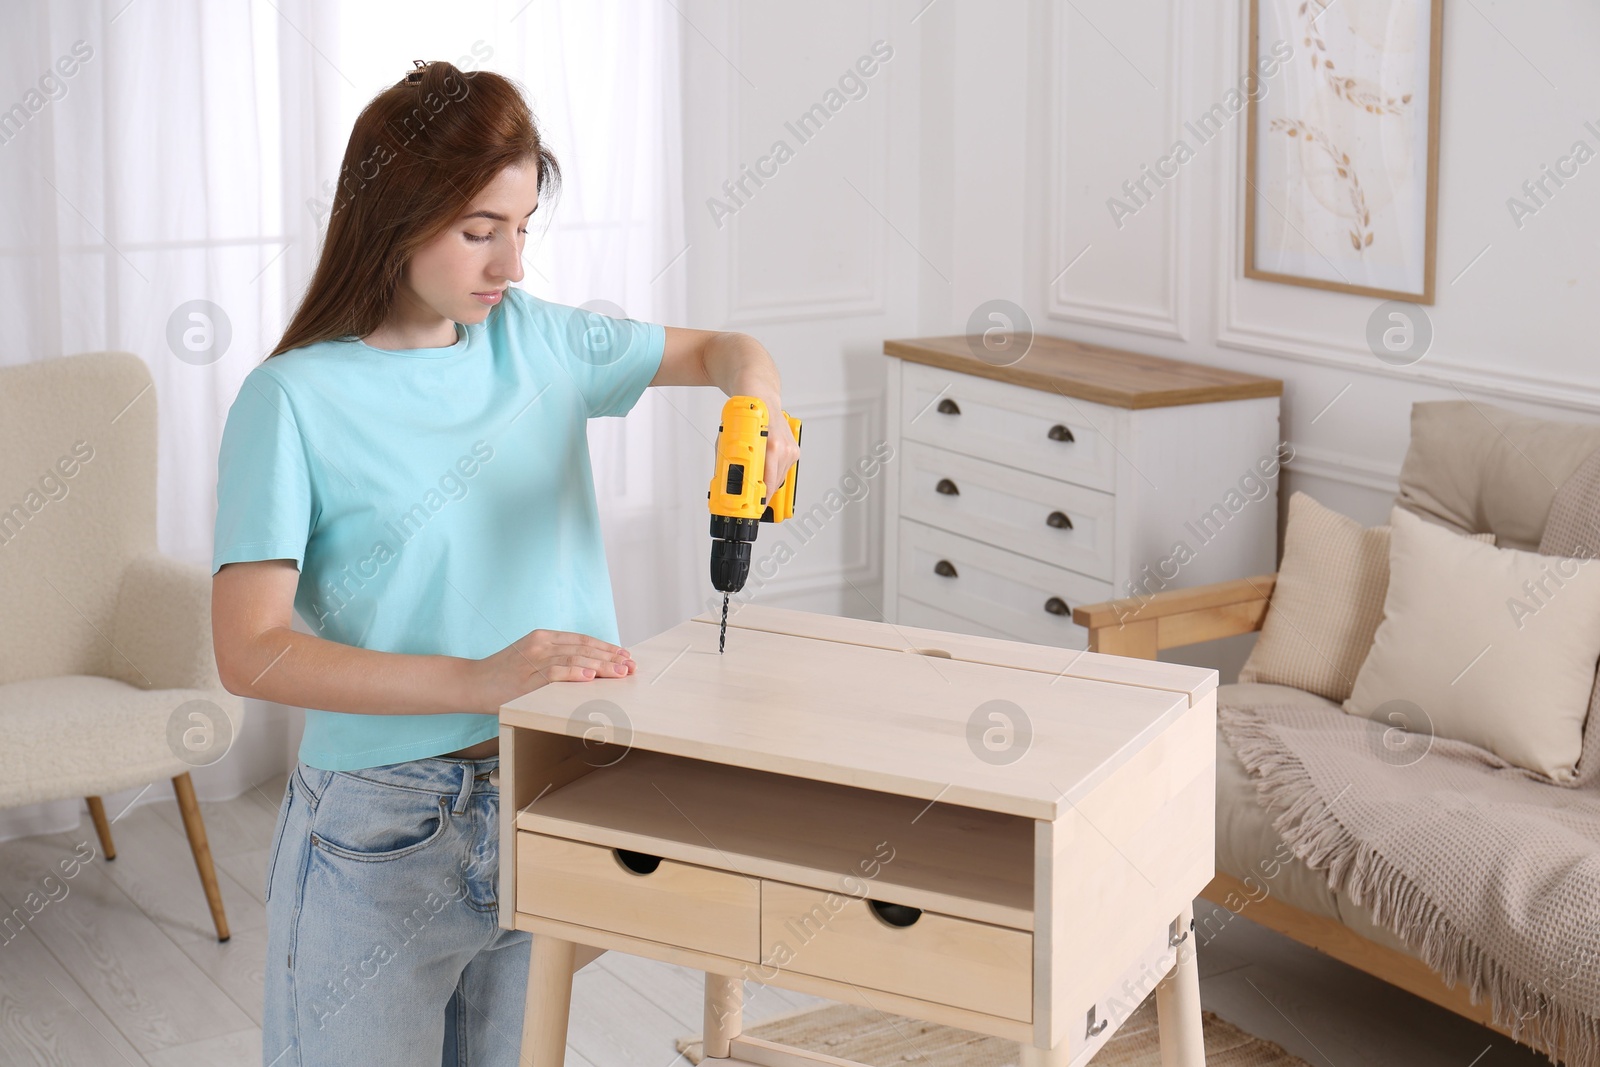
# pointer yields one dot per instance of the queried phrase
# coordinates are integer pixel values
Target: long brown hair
(419, 152)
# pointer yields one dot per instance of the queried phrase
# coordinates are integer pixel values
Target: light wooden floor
(119, 965)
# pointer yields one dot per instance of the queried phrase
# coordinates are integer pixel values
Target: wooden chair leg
(102, 829)
(195, 826)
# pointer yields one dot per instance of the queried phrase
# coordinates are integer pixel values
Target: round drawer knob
(945, 568)
(895, 914)
(637, 862)
(1059, 519)
(1059, 432)
(1056, 606)
(947, 487)
(949, 407)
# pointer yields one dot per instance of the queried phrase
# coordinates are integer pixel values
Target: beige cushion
(1573, 529)
(1493, 646)
(1326, 605)
(1474, 466)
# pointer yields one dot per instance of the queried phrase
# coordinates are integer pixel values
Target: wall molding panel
(1345, 468)
(869, 297)
(1171, 318)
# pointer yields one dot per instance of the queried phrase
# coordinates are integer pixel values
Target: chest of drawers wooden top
(1102, 375)
(1023, 486)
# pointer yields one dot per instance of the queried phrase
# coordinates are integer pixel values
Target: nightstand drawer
(1014, 594)
(915, 953)
(657, 899)
(1056, 522)
(1019, 427)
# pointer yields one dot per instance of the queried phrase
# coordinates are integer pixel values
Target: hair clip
(416, 75)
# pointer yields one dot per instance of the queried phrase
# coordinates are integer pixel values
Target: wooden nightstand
(994, 835)
(1070, 477)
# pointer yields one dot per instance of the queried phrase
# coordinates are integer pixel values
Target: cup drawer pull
(1056, 606)
(947, 487)
(894, 914)
(1059, 432)
(945, 568)
(637, 862)
(1059, 519)
(949, 407)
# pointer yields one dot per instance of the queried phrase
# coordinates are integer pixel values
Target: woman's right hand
(540, 657)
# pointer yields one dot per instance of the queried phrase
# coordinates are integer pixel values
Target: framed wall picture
(1342, 148)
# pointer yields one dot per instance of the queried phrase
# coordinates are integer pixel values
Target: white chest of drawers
(1076, 474)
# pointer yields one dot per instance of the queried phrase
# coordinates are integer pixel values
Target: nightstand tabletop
(852, 702)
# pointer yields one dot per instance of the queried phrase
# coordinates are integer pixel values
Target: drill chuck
(730, 551)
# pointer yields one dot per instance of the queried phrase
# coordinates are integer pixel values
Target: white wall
(992, 141)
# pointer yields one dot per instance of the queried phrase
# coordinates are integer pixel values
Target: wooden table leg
(544, 1020)
(1044, 1057)
(1178, 1004)
(724, 1015)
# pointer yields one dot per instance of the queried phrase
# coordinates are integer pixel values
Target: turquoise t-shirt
(437, 500)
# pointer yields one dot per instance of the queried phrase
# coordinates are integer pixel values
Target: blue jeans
(383, 943)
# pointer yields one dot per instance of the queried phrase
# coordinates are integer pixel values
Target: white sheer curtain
(188, 156)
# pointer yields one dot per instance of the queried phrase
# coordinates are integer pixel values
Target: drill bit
(722, 635)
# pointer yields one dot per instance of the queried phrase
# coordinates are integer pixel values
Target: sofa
(1474, 467)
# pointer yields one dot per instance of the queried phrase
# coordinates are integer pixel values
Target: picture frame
(1342, 153)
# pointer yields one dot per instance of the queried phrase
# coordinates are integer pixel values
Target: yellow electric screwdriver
(738, 494)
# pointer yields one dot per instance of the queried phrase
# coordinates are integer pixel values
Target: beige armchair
(107, 675)
(1467, 466)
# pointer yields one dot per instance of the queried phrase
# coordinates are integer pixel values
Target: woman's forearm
(288, 667)
(739, 365)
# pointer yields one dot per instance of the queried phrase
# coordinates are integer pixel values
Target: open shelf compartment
(940, 857)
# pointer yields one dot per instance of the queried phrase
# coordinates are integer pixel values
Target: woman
(409, 470)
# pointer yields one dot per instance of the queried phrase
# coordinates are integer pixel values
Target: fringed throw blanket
(1489, 872)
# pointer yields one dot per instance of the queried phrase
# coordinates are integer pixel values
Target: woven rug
(857, 1033)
